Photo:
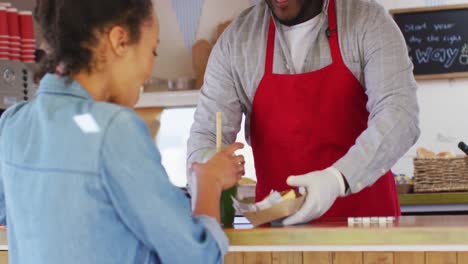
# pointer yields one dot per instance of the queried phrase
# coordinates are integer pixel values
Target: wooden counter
(411, 239)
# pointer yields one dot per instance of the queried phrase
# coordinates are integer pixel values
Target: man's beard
(297, 19)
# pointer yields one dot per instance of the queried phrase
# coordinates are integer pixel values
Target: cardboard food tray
(276, 212)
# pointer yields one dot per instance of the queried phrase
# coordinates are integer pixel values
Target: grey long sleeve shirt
(372, 47)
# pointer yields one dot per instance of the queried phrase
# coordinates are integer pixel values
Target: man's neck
(309, 11)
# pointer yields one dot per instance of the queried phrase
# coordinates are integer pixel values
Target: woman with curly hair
(81, 180)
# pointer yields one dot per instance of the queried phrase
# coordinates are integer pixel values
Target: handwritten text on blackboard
(428, 54)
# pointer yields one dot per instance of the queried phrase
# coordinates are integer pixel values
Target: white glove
(323, 187)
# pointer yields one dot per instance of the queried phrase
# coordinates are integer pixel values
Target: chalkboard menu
(437, 40)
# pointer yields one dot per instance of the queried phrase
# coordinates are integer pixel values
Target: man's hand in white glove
(323, 187)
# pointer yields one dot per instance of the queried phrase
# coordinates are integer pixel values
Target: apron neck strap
(331, 18)
(270, 47)
(332, 34)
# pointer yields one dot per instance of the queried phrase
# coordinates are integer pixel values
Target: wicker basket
(441, 174)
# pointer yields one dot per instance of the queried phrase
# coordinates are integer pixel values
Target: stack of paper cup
(4, 37)
(28, 42)
(13, 30)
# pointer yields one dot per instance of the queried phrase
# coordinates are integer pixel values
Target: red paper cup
(13, 23)
(3, 23)
(4, 50)
(26, 25)
(28, 50)
(15, 45)
(27, 47)
(27, 54)
(4, 44)
(4, 40)
(28, 41)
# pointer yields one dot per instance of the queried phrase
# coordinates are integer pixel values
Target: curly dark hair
(69, 28)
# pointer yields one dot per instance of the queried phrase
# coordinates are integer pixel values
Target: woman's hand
(223, 170)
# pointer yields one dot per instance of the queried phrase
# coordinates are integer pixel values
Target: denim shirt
(82, 182)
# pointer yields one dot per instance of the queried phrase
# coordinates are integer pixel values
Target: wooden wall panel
(234, 258)
(347, 258)
(3, 257)
(286, 258)
(378, 258)
(317, 258)
(441, 258)
(462, 257)
(410, 258)
(257, 258)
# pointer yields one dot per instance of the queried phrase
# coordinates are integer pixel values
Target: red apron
(306, 122)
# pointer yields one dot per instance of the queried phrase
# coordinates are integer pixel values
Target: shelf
(188, 98)
(434, 198)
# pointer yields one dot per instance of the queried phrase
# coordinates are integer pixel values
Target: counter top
(408, 233)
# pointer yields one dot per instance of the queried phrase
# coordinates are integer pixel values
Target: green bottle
(227, 209)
